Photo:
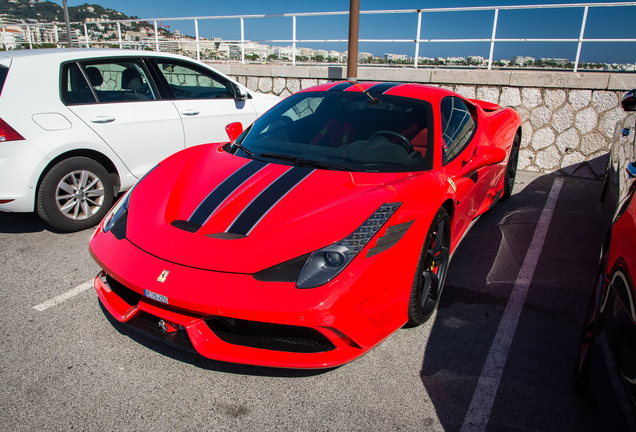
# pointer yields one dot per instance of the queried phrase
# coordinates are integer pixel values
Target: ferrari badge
(162, 277)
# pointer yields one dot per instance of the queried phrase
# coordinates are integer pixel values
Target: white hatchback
(78, 126)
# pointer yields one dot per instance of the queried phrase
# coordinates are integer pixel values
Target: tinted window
(105, 82)
(345, 130)
(458, 127)
(75, 88)
(190, 82)
(3, 76)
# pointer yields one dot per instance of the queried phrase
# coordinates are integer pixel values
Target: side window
(107, 82)
(190, 82)
(75, 88)
(458, 127)
(3, 76)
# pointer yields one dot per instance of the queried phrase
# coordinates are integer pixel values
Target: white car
(79, 126)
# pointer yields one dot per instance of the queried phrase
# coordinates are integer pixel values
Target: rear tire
(75, 194)
(431, 270)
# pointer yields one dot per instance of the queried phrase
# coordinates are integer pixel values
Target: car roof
(410, 90)
(65, 54)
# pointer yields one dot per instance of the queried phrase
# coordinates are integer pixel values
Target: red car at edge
(315, 233)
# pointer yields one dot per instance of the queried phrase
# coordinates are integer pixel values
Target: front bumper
(233, 317)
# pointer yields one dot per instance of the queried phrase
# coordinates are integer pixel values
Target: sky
(605, 22)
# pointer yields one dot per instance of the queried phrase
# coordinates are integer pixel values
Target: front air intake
(276, 337)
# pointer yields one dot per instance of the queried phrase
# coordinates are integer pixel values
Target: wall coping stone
(614, 81)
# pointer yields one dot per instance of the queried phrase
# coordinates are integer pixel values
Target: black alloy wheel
(431, 270)
(582, 367)
(511, 168)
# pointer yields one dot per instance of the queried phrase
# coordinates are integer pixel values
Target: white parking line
(63, 297)
(481, 405)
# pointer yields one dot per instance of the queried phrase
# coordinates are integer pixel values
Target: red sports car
(315, 233)
(606, 361)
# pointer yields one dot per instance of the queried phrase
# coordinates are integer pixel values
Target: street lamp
(68, 25)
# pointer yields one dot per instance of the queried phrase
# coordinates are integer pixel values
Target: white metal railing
(295, 41)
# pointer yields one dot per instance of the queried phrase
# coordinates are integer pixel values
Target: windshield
(349, 131)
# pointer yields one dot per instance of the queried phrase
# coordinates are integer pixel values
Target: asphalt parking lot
(498, 355)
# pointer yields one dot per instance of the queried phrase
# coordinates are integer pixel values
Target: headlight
(325, 264)
(117, 218)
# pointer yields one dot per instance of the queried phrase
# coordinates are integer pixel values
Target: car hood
(209, 209)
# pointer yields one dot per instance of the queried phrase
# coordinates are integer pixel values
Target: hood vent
(186, 225)
(226, 236)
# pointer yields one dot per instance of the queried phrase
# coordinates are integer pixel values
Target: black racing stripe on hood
(267, 199)
(224, 190)
(381, 88)
(341, 87)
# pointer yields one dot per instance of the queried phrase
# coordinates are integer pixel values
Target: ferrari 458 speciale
(606, 361)
(315, 233)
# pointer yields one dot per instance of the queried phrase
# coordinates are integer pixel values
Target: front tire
(431, 270)
(75, 194)
(583, 359)
(511, 168)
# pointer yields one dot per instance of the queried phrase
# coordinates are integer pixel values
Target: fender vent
(390, 238)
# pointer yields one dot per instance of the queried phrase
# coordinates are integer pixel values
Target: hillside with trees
(46, 11)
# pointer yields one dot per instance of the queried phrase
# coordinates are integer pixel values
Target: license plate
(155, 296)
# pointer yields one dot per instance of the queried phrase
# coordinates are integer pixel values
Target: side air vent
(392, 235)
(186, 225)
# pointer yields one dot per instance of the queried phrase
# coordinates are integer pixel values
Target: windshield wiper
(279, 156)
(319, 164)
(247, 151)
(300, 161)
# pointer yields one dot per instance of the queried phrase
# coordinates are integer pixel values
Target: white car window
(191, 83)
(110, 81)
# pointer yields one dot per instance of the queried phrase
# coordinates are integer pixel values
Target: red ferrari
(315, 233)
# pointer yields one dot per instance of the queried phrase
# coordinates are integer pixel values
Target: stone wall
(568, 119)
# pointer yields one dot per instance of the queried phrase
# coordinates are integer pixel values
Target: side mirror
(629, 101)
(240, 94)
(483, 156)
(233, 130)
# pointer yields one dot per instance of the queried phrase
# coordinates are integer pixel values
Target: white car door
(205, 101)
(122, 107)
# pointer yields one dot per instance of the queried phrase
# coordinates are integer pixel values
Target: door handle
(102, 119)
(190, 112)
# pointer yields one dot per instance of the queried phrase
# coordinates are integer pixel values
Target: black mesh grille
(186, 225)
(129, 296)
(277, 337)
(287, 271)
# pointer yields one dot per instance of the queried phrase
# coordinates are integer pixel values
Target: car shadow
(19, 223)
(482, 274)
(199, 361)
